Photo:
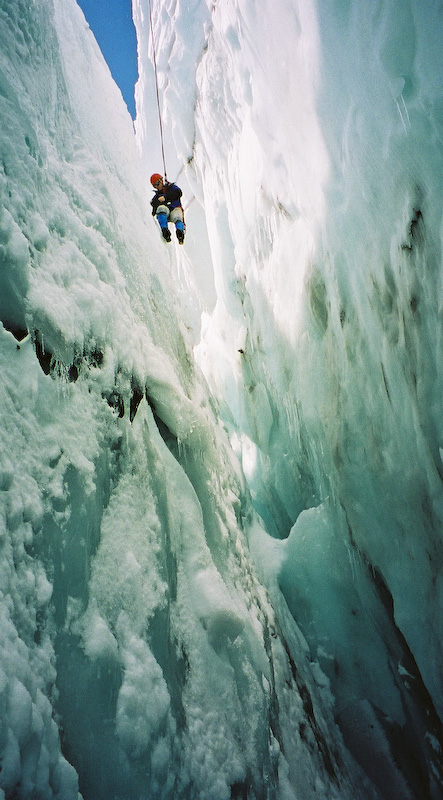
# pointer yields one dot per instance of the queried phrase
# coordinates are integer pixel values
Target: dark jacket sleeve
(173, 193)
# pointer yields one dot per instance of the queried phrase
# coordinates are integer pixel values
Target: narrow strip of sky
(112, 25)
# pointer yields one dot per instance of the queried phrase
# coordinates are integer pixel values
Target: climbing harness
(156, 88)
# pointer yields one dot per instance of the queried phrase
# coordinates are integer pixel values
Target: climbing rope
(156, 89)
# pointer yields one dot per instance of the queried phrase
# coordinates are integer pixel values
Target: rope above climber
(166, 204)
(167, 207)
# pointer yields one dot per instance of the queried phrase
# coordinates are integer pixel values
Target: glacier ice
(220, 472)
(321, 183)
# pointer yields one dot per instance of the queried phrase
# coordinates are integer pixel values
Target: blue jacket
(172, 194)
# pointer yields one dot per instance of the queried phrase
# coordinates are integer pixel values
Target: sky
(112, 25)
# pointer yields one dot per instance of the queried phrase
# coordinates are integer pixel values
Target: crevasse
(220, 472)
(316, 150)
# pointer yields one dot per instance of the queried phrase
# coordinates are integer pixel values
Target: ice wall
(140, 655)
(310, 136)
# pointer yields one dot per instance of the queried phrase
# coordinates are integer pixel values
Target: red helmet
(155, 178)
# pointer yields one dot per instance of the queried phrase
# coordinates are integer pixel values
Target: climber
(166, 206)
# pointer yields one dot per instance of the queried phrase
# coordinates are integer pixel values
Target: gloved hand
(161, 198)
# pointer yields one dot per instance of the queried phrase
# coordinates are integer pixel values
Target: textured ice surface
(317, 147)
(220, 469)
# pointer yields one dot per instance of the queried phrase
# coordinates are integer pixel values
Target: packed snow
(221, 464)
